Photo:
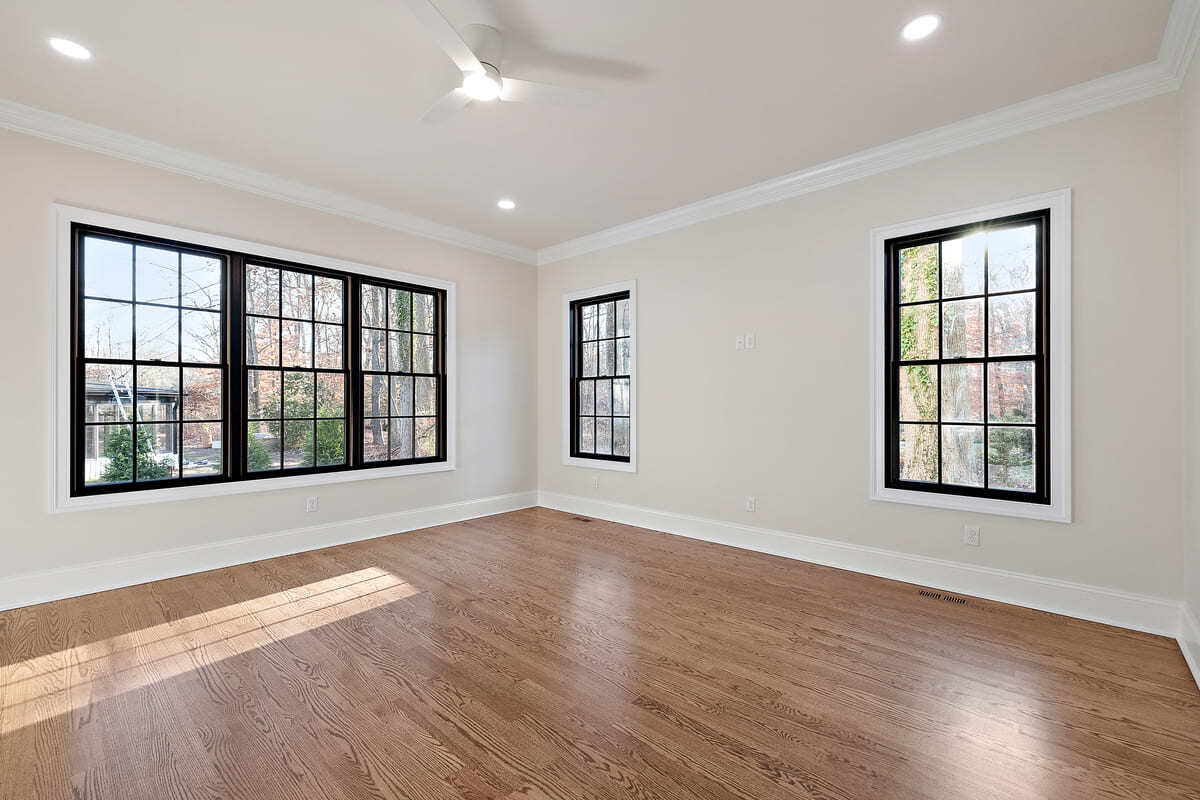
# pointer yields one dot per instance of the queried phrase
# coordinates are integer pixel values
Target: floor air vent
(949, 598)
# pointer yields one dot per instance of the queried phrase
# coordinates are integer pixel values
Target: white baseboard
(1189, 638)
(1140, 612)
(54, 584)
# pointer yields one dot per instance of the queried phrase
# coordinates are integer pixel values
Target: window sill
(134, 498)
(1055, 512)
(598, 463)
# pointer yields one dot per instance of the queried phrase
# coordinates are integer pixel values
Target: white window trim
(60, 373)
(1059, 510)
(596, 463)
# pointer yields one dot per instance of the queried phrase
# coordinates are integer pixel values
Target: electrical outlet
(312, 504)
(739, 343)
(750, 341)
(971, 535)
(595, 481)
(751, 503)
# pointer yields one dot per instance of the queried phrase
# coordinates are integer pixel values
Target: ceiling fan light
(481, 86)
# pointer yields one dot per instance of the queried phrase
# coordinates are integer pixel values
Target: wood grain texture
(539, 655)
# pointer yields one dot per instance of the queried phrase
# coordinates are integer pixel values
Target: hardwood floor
(539, 655)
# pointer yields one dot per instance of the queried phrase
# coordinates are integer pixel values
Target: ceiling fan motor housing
(485, 42)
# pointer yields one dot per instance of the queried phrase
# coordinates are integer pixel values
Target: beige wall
(496, 333)
(1190, 254)
(787, 422)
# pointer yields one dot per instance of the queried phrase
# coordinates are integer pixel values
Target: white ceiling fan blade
(452, 102)
(515, 90)
(444, 34)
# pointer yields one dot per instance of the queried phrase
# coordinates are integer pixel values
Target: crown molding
(65, 130)
(1165, 74)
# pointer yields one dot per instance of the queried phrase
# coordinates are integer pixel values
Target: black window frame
(576, 375)
(234, 367)
(1041, 495)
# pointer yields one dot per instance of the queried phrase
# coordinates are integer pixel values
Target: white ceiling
(697, 97)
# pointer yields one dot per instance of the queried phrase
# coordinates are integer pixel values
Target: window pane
(426, 437)
(608, 320)
(373, 300)
(107, 329)
(201, 337)
(587, 434)
(108, 454)
(919, 332)
(1011, 326)
(962, 329)
(399, 352)
(622, 357)
(202, 391)
(401, 438)
(589, 314)
(608, 357)
(588, 364)
(620, 396)
(157, 452)
(297, 343)
(422, 354)
(201, 283)
(603, 397)
(1010, 458)
(962, 393)
(107, 393)
(298, 394)
(298, 444)
(201, 449)
(157, 274)
(373, 350)
(262, 446)
(624, 323)
(331, 442)
(621, 436)
(919, 273)
(587, 397)
(262, 394)
(375, 440)
(158, 393)
(1010, 391)
(604, 435)
(399, 310)
(331, 395)
(262, 341)
(919, 453)
(107, 268)
(426, 397)
(375, 395)
(402, 396)
(297, 294)
(262, 290)
(328, 346)
(328, 298)
(156, 333)
(423, 312)
(962, 265)
(918, 393)
(1012, 258)
(962, 455)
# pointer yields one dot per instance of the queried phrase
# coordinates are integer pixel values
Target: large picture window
(601, 378)
(194, 364)
(967, 380)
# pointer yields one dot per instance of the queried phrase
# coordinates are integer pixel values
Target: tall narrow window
(967, 381)
(601, 383)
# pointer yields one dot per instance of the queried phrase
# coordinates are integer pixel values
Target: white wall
(496, 342)
(1190, 255)
(787, 422)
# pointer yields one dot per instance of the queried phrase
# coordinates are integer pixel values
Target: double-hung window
(194, 362)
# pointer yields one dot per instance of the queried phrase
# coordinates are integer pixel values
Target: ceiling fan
(477, 52)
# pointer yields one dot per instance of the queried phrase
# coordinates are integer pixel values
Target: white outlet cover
(739, 343)
(750, 341)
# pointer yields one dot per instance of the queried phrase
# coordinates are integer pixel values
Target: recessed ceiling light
(506, 203)
(70, 49)
(921, 27)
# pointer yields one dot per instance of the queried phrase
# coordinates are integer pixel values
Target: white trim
(1189, 638)
(97, 576)
(567, 299)
(1159, 615)
(1059, 203)
(60, 373)
(1164, 74)
(65, 130)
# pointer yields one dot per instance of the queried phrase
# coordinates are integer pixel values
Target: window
(193, 364)
(599, 403)
(966, 374)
